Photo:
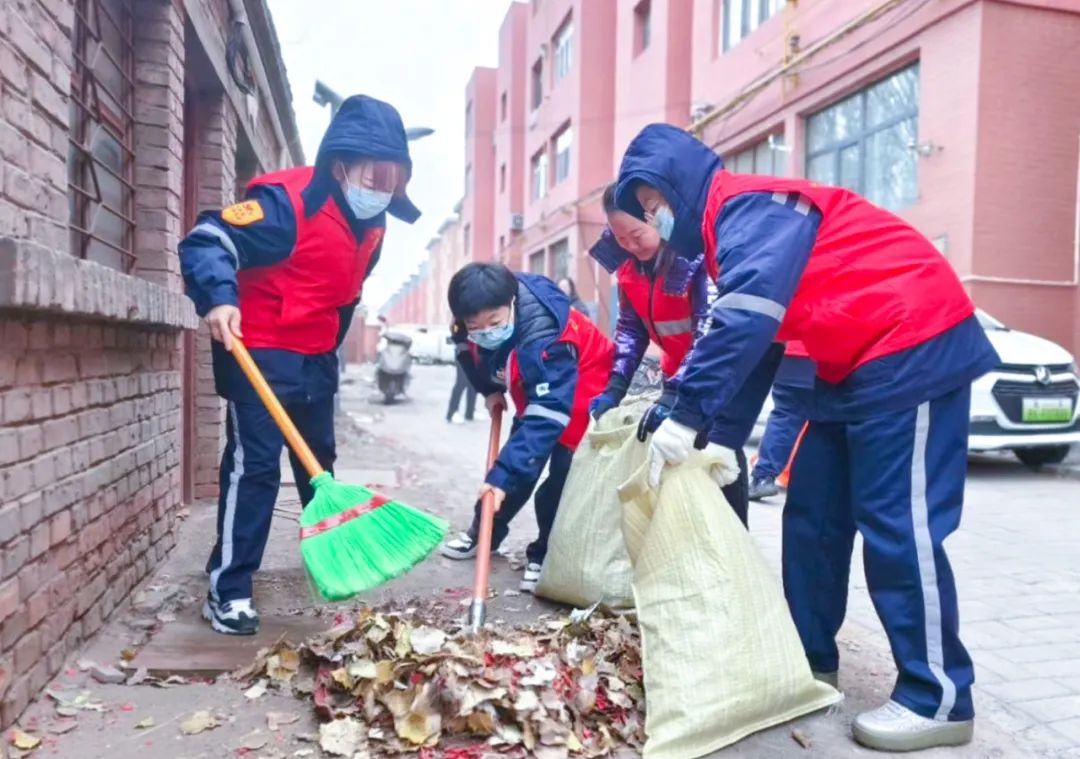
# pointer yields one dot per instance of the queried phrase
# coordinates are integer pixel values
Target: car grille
(1030, 368)
(1010, 394)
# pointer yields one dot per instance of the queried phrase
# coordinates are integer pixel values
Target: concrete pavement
(1014, 556)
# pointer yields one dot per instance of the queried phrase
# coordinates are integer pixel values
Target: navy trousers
(781, 431)
(897, 478)
(250, 478)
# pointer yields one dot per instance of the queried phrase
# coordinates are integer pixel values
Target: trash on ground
(199, 722)
(390, 683)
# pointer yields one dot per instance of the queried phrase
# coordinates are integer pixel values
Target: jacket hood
(681, 167)
(363, 127)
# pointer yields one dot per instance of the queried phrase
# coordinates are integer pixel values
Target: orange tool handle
(277, 411)
(487, 515)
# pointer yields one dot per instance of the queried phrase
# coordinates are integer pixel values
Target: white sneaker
(236, 617)
(457, 419)
(461, 547)
(530, 578)
(893, 727)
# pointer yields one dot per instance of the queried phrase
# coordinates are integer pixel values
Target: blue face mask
(492, 337)
(364, 203)
(664, 222)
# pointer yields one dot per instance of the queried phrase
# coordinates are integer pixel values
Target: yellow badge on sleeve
(242, 214)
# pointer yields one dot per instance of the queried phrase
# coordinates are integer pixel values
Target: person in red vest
(522, 335)
(663, 298)
(896, 344)
(284, 270)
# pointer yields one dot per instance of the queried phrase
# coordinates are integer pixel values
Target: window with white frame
(642, 26)
(865, 141)
(763, 157)
(740, 17)
(563, 142)
(563, 45)
(537, 82)
(539, 174)
(537, 262)
(560, 259)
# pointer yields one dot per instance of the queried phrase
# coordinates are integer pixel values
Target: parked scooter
(392, 365)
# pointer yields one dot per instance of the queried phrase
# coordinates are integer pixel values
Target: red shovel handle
(487, 520)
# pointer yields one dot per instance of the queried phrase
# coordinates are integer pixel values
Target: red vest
(873, 285)
(595, 355)
(669, 318)
(294, 305)
(795, 349)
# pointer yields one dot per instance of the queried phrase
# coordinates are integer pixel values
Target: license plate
(1047, 409)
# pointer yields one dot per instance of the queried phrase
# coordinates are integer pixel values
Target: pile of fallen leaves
(388, 683)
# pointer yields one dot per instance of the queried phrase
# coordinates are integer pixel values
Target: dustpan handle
(277, 411)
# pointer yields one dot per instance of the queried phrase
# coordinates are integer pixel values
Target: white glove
(726, 470)
(672, 443)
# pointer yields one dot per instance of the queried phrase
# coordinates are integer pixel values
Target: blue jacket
(762, 248)
(549, 372)
(216, 249)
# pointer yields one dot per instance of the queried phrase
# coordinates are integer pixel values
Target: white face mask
(364, 203)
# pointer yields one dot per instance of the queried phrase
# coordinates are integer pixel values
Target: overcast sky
(415, 54)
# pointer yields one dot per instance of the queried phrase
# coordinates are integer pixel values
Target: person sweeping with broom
(284, 270)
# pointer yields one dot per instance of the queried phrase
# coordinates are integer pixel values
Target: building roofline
(262, 26)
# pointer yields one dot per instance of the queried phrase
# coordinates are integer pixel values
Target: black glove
(656, 414)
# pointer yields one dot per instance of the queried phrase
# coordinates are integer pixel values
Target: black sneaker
(236, 617)
(763, 487)
(461, 547)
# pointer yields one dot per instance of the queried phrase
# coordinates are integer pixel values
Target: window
(502, 243)
(466, 240)
(502, 107)
(536, 262)
(864, 141)
(759, 158)
(740, 17)
(563, 141)
(564, 51)
(502, 178)
(560, 259)
(642, 26)
(101, 161)
(468, 179)
(539, 175)
(468, 118)
(537, 83)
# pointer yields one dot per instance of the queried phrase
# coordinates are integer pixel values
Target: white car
(1027, 404)
(431, 342)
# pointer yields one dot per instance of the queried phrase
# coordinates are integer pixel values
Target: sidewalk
(439, 475)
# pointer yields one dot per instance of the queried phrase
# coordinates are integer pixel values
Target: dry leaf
(341, 737)
(427, 640)
(363, 669)
(256, 690)
(274, 720)
(253, 741)
(198, 722)
(527, 701)
(801, 738)
(23, 741)
(144, 724)
(418, 727)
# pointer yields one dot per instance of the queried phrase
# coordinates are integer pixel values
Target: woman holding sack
(663, 298)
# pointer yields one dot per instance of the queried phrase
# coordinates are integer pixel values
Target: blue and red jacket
(878, 309)
(556, 361)
(293, 258)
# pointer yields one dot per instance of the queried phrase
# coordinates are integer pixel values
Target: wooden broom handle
(277, 411)
(487, 514)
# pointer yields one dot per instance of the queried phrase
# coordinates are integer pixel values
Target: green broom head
(353, 539)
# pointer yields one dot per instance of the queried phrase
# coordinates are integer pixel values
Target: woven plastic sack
(721, 656)
(586, 560)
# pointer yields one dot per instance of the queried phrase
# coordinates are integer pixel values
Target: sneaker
(531, 577)
(893, 727)
(829, 678)
(762, 487)
(460, 548)
(456, 419)
(236, 617)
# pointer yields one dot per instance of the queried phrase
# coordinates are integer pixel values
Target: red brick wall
(89, 483)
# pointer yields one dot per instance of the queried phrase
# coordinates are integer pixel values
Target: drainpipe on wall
(1046, 282)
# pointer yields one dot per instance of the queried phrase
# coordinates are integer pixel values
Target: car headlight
(1073, 369)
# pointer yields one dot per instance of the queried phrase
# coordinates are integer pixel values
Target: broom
(351, 538)
(478, 607)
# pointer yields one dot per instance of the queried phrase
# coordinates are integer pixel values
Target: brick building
(119, 121)
(963, 116)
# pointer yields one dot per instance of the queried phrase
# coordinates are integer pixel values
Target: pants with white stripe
(898, 479)
(250, 478)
